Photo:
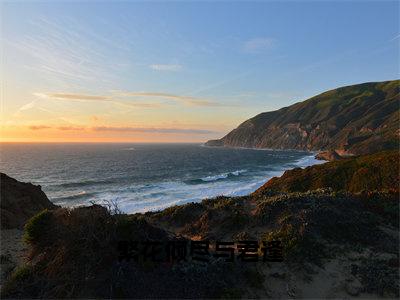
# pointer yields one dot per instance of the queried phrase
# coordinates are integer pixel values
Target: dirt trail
(12, 251)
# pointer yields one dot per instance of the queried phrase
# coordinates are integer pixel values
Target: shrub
(37, 227)
(22, 273)
(297, 245)
(129, 227)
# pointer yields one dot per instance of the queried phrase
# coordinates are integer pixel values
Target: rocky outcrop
(329, 155)
(215, 143)
(357, 119)
(20, 201)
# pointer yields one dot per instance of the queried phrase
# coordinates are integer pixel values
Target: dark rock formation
(215, 143)
(357, 119)
(328, 155)
(20, 201)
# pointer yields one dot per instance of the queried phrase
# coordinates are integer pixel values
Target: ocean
(144, 177)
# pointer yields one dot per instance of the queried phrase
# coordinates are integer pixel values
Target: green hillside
(379, 171)
(357, 119)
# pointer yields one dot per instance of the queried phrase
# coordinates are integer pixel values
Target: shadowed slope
(20, 201)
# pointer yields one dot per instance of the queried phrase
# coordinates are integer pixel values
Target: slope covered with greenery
(379, 171)
(73, 253)
(357, 119)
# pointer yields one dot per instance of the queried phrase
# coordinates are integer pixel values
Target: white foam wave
(223, 175)
(161, 195)
(308, 161)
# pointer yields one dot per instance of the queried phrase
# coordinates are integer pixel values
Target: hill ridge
(355, 119)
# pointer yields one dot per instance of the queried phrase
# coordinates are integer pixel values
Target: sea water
(143, 177)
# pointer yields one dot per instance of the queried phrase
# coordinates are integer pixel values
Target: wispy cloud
(64, 51)
(93, 98)
(126, 129)
(73, 128)
(63, 128)
(395, 38)
(27, 106)
(258, 45)
(166, 67)
(188, 100)
(180, 98)
(78, 97)
(39, 127)
(154, 130)
(235, 77)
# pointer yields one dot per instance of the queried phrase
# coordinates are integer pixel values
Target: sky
(174, 71)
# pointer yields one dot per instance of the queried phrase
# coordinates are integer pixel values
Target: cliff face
(357, 119)
(20, 201)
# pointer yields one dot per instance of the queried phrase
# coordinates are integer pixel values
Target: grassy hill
(379, 171)
(357, 119)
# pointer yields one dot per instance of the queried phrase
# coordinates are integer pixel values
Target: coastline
(252, 187)
(149, 178)
(208, 187)
(260, 148)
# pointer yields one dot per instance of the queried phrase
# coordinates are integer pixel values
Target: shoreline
(261, 149)
(207, 190)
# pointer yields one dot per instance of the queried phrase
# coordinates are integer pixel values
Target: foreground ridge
(73, 253)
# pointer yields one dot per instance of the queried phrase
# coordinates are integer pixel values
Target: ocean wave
(223, 175)
(73, 196)
(159, 195)
(77, 184)
(308, 161)
(212, 178)
(140, 192)
(176, 193)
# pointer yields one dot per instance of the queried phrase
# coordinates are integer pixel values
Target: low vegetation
(79, 258)
(375, 172)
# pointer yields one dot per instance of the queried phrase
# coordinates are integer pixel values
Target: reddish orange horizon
(27, 135)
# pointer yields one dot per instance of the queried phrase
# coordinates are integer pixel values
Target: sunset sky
(179, 72)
